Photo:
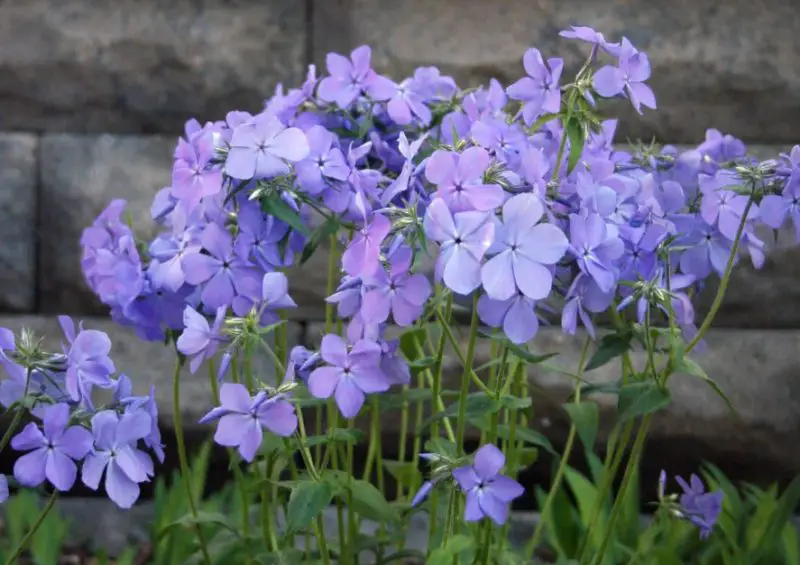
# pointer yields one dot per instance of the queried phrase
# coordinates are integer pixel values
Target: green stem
(461, 421)
(513, 418)
(18, 412)
(633, 461)
(435, 381)
(401, 444)
(448, 332)
(611, 469)
(723, 283)
(18, 551)
(184, 462)
(562, 465)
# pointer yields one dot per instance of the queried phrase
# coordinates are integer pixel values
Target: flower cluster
(517, 194)
(69, 429)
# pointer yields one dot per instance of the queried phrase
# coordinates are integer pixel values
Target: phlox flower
(488, 492)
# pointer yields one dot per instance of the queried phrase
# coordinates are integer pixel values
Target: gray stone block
(147, 363)
(143, 66)
(18, 193)
(732, 66)
(80, 176)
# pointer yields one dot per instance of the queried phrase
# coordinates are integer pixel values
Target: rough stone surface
(728, 65)
(80, 176)
(146, 363)
(18, 191)
(143, 66)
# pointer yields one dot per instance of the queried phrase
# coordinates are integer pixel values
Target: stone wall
(93, 96)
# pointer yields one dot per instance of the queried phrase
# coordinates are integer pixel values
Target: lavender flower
(459, 180)
(242, 418)
(539, 90)
(115, 452)
(525, 248)
(628, 78)
(261, 149)
(88, 363)
(464, 238)
(397, 292)
(199, 340)
(701, 508)
(349, 375)
(53, 450)
(350, 77)
(488, 492)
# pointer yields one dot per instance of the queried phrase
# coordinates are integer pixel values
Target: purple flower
(397, 292)
(220, 271)
(627, 79)
(110, 261)
(459, 180)
(261, 148)
(463, 238)
(199, 341)
(775, 207)
(362, 256)
(723, 207)
(701, 508)
(192, 177)
(52, 453)
(349, 375)
(707, 249)
(639, 259)
(242, 418)
(271, 295)
(115, 452)
(585, 34)
(324, 161)
(124, 396)
(595, 249)
(406, 104)
(524, 247)
(488, 492)
(584, 298)
(260, 238)
(539, 90)
(516, 315)
(350, 77)
(88, 363)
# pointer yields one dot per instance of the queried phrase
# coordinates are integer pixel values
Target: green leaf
(515, 403)
(409, 340)
(203, 518)
(320, 234)
(563, 522)
(521, 351)
(306, 502)
(640, 398)
(275, 206)
(478, 404)
(535, 438)
(586, 419)
(611, 346)
(542, 120)
(453, 547)
(338, 435)
(410, 396)
(368, 501)
(422, 363)
(599, 388)
(576, 134)
(404, 472)
(690, 367)
(441, 446)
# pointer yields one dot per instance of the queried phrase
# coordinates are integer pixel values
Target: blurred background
(93, 95)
